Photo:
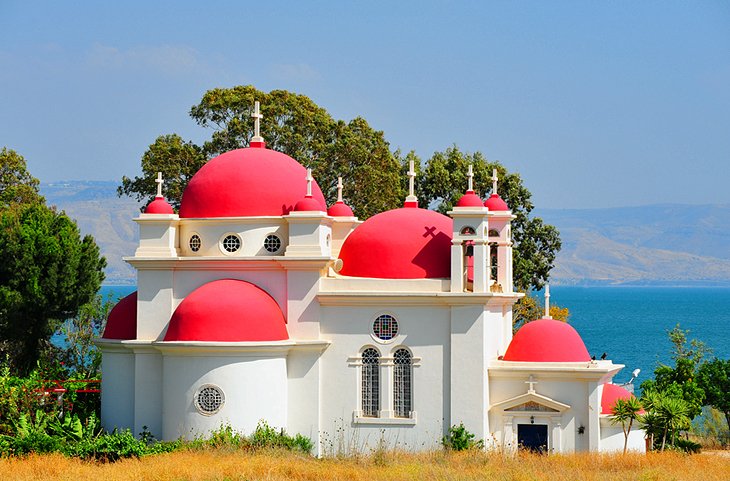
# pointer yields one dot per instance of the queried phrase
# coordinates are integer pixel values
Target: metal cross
(494, 181)
(339, 189)
(411, 183)
(309, 182)
(547, 301)
(532, 383)
(159, 184)
(470, 175)
(257, 116)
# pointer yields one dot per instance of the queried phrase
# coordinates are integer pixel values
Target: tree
(291, 124)
(529, 309)
(535, 243)
(714, 379)
(626, 412)
(17, 186)
(47, 271)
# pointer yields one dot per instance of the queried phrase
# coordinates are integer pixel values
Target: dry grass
(222, 465)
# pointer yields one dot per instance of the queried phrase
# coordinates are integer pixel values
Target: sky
(595, 104)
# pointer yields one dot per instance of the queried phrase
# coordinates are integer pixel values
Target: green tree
(714, 379)
(626, 412)
(536, 244)
(291, 124)
(17, 186)
(47, 271)
(529, 308)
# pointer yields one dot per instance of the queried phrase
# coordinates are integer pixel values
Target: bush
(460, 439)
(687, 446)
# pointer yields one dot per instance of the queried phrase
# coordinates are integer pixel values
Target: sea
(630, 324)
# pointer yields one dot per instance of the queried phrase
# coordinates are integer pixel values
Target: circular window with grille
(231, 243)
(272, 243)
(195, 243)
(209, 399)
(385, 327)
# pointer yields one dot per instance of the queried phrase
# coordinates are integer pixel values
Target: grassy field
(224, 464)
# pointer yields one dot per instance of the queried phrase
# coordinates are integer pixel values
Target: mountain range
(673, 245)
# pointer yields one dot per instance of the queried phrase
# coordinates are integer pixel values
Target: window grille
(209, 399)
(402, 383)
(272, 243)
(370, 383)
(493, 256)
(195, 243)
(231, 243)
(385, 327)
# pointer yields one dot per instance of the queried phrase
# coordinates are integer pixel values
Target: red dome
(470, 199)
(247, 182)
(340, 209)
(122, 321)
(495, 202)
(611, 394)
(308, 204)
(547, 340)
(227, 310)
(406, 243)
(159, 206)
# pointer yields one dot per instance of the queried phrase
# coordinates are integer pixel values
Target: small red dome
(122, 321)
(405, 243)
(470, 199)
(227, 310)
(495, 202)
(547, 340)
(308, 204)
(611, 394)
(247, 182)
(340, 209)
(159, 206)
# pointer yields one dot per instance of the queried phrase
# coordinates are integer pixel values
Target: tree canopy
(374, 175)
(17, 186)
(47, 271)
(714, 379)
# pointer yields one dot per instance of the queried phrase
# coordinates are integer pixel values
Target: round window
(231, 243)
(272, 243)
(385, 327)
(209, 399)
(195, 243)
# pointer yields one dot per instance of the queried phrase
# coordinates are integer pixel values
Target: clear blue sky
(596, 104)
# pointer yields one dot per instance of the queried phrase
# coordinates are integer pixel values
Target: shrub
(460, 439)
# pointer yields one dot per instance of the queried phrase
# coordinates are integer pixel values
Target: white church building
(258, 302)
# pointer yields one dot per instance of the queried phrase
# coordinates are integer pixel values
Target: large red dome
(247, 182)
(227, 310)
(122, 321)
(547, 340)
(406, 243)
(611, 394)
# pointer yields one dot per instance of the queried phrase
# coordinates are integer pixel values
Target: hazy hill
(659, 244)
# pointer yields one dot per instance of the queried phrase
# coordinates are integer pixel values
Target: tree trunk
(664, 438)
(626, 436)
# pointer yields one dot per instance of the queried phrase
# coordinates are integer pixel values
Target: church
(258, 302)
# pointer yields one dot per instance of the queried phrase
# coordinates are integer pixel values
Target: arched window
(493, 260)
(402, 385)
(370, 383)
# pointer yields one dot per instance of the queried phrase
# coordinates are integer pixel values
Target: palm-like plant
(625, 412)
(675, 414)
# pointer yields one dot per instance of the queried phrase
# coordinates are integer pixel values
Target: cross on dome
(339, 189)
(494, 181)
(309, 182)
(470, 176)
(159, 184)
(412, 200)
(547, 301)
(257, 116)
(532, 383)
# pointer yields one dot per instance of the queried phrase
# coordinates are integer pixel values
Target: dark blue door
(532, 437)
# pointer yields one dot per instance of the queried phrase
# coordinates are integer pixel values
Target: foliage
(711, 428)
(47, 272)
(529, 308)
(714, 379)
(460, 439)
(626, 412)
(536, 244)
(291, 124)
(17, 186)
(666, 415)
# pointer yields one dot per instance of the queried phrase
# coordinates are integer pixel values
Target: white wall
(612, 437)
(255, 388)
(117, 389)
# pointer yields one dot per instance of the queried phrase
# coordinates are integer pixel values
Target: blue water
(630, 324)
